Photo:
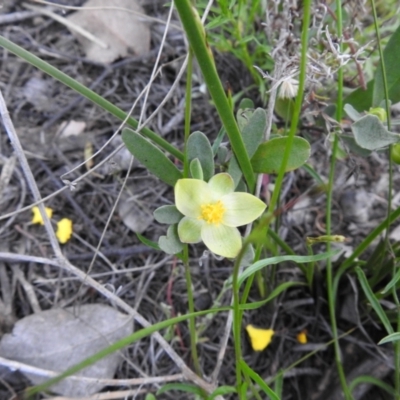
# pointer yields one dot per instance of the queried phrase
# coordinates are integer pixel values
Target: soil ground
(151, 282)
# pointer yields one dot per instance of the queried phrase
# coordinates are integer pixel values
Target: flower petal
(220, 185)
(189, 230)
(64, 230)
(37, 216)
(241, 208)
(222, 240)
(190, 194)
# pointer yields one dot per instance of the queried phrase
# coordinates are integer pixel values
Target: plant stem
(297, 106)
(396, 344)
(329, 272)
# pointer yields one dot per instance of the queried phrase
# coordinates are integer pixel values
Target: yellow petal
(37, 216)
(302, 337)
(64, 230)
(259, 338)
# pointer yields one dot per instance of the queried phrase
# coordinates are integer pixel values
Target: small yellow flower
(64, 230)
(37, 216)
(259, 338)
(213, 211)
(302, 337)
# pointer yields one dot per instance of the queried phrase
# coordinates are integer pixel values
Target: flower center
(212, 213)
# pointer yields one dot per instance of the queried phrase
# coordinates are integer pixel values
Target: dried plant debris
(57, 339)
(117, 25)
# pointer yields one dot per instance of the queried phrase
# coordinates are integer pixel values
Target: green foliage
(370, 133)
(195, 169)
(167, 215)
(198, 146)
(171, 244)
(269, 156)
(252, 133)
(151, 157)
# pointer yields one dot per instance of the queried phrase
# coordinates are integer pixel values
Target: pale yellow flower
(213, 211)
(64, 230)
(37, 216)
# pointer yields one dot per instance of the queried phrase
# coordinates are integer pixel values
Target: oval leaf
(167, 215)
(151, 157)
(268, 157)
(171, 244)
(370, 133)
(198, 146)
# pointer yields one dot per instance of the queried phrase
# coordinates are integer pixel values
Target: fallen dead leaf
(116, 23)
(134, 215)
(57, 339)
(71, 128)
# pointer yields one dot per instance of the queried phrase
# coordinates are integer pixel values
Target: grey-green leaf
(198, 146)
(370, 133)
(171, 244)
(351, 112)
(151, 157)
(167, 215)
(252, 133)
(195, 169)
(268, 157)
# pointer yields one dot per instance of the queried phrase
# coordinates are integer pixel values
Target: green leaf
(195, 169)
(198, 146)
(268, 157)
(284, 108)
(167, 215)
(373, 300)
(391, 56)
(276, 292)
(393, 337)
(252, 134)
(150, 396)
(392, 282)
(221, 391)
(352, 145)
(148, 242)
(371, 380)
(183, 387)
(276, 260)
(151, 157)
(351, 112)
(171, 244)
(361, 99)
(260, 381)
(370, 133)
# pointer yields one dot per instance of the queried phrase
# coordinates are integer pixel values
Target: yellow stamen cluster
(212, 213)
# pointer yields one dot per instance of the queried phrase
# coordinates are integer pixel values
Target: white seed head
(289, 88)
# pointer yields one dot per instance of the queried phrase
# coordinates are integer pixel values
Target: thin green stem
(329, 272)
(237, 318)
(189, 286)
(89, 94)
(192, 320)
(298, 103)
(396, 344)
